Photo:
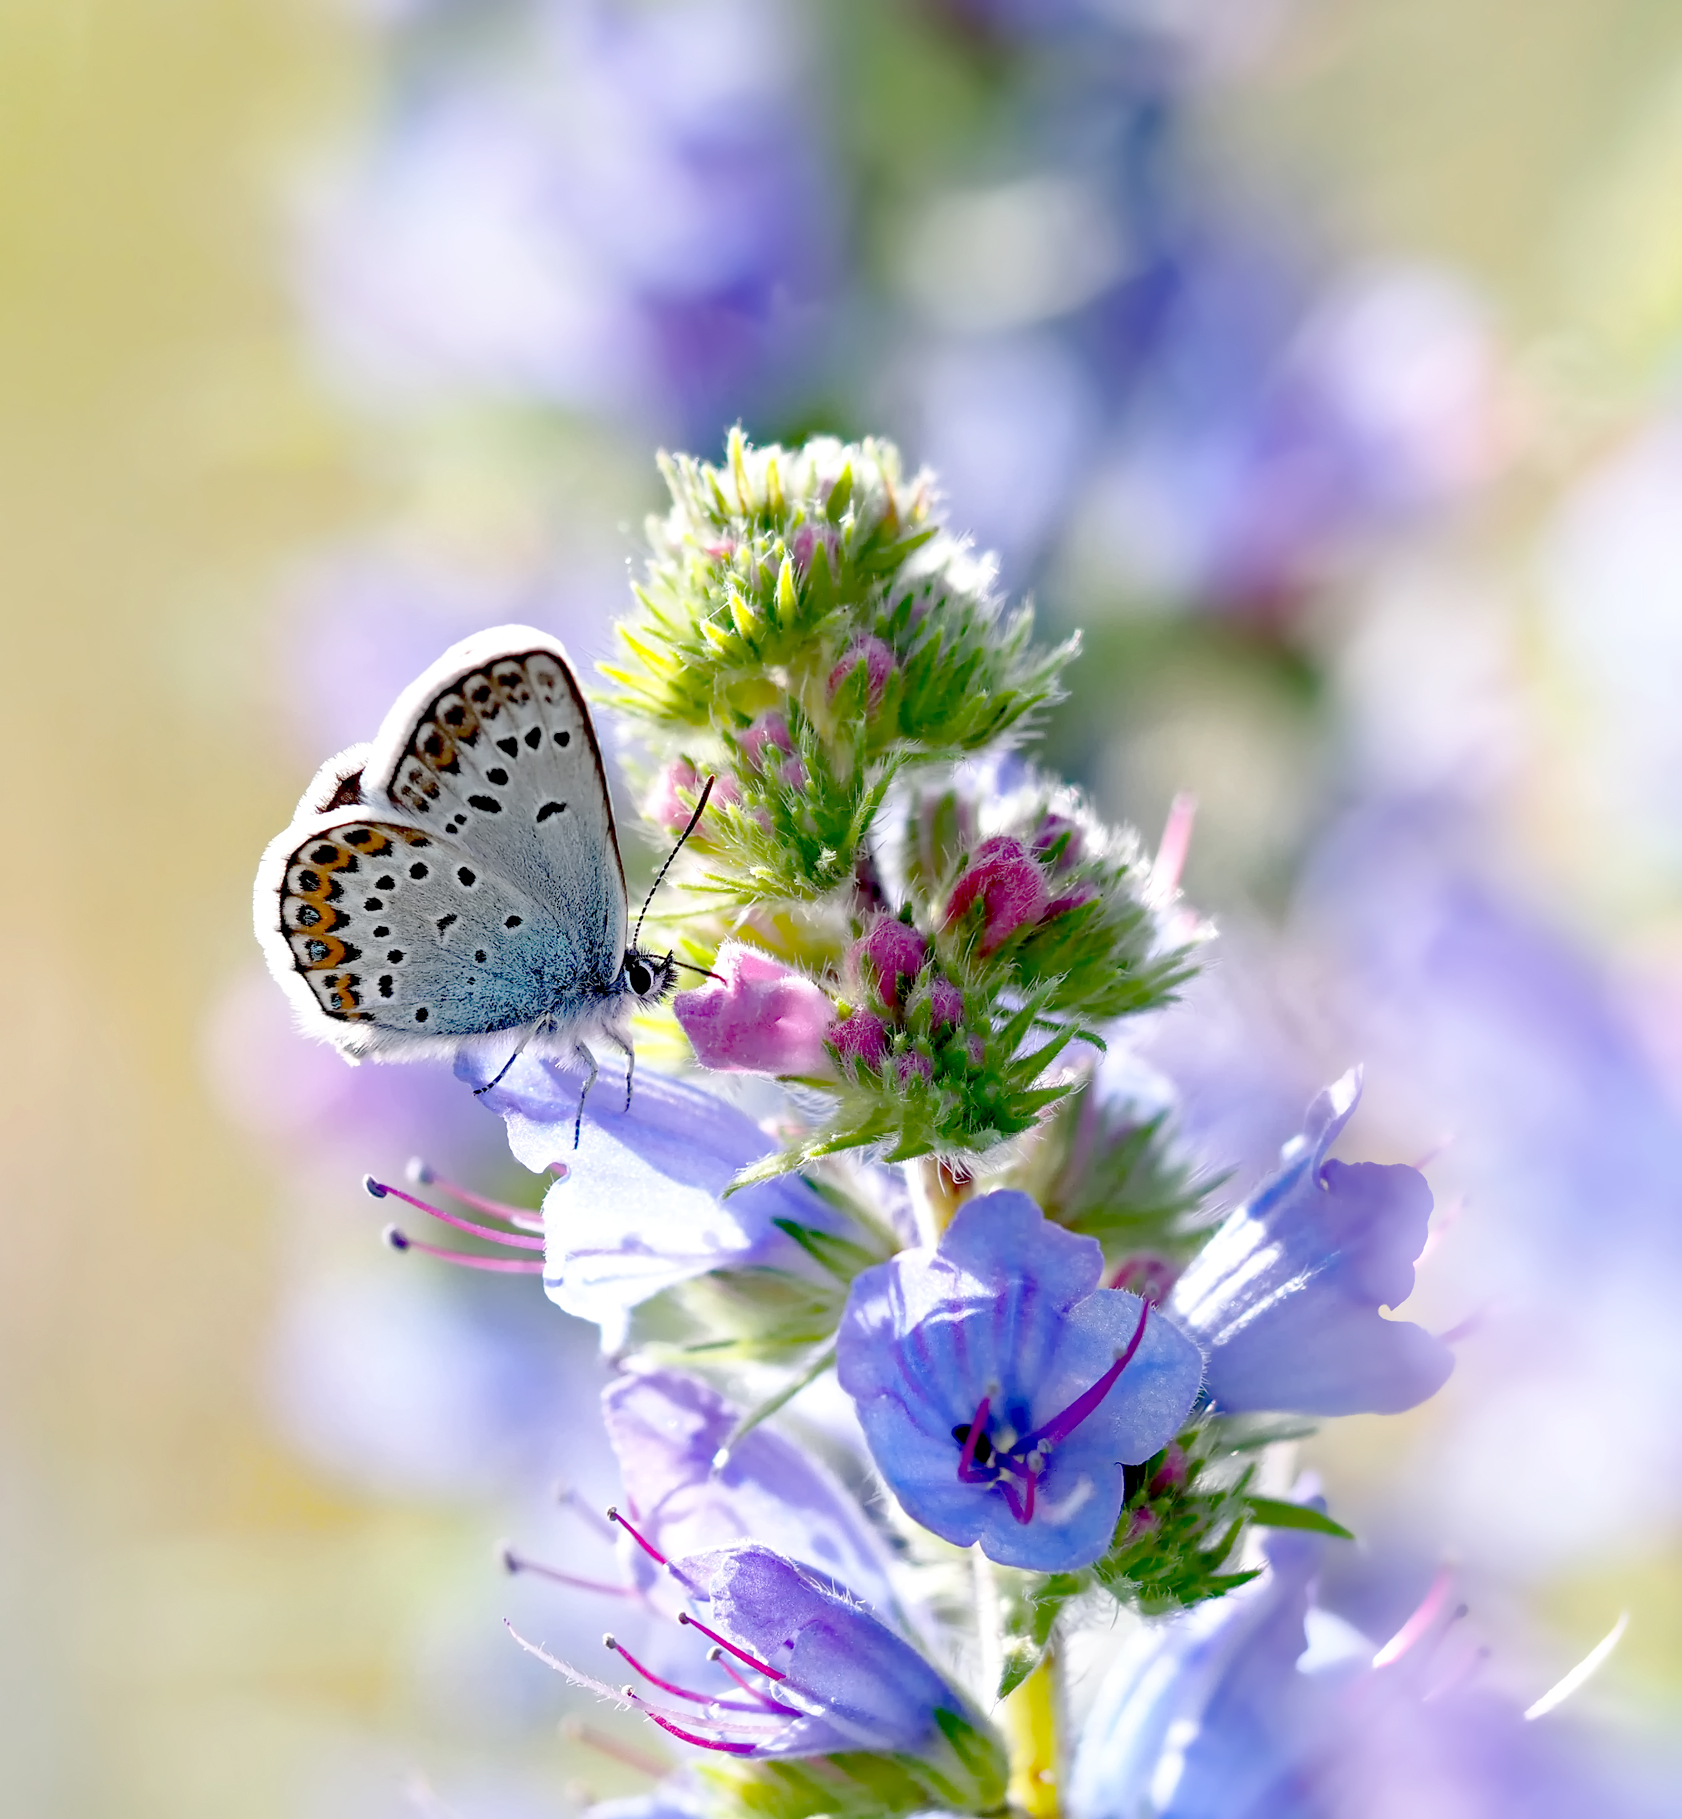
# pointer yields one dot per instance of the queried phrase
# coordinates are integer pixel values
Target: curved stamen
(1021, 1504)
(759, 1667)
(716, 1655)
(423, 1174)
(706, 1743)
(379, 1190)
(615, 1646)
(1064, 1423)
(515, 1562)
(507, 1266)
(968, 1473)
(647, 1547)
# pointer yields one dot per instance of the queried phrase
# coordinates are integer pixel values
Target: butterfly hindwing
(493, 748)
(395, 933)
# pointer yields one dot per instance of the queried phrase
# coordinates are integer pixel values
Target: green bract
(813, 585)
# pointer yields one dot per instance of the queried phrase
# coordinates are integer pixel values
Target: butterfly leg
(622, 1043)
(589, 1060)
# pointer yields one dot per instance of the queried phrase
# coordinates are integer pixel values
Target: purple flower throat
(984, 1461)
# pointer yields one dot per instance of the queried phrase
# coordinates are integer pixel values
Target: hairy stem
(937, 1191)
(1031, 1720)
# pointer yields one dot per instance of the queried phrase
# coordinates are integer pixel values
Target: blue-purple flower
(1285, 1298)
(638, 1209)
(1002, 1390)
(814, 1674)
(1261, 1705)
(670, 1431)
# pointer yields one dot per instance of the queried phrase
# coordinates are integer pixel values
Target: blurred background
(1317, 357)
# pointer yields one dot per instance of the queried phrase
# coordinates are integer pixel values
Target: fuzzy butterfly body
(457, 883)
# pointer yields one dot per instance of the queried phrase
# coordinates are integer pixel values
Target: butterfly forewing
(459, 877)
(403, 933)
(503, 759)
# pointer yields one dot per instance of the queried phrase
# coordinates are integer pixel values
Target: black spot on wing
(534, 737)
(550, 808)
(486, 805)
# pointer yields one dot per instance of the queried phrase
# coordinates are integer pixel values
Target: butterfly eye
(641, 979)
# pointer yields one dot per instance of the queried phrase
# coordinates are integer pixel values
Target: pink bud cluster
(671, 800)
(768, 747)
(886, 962)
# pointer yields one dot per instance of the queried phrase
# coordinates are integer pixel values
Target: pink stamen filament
(568, 1498)
(706, 1743)
(1064, 1423)
(1431, 1607)
(379, 1190)
(648, 1548)
(716, 1654)
(967, 1472)
(575, 1730)
(507, 1266)
(615, 1646)
(758, 1667)
(424, 1175)
(514, 1562)
(1175, 844)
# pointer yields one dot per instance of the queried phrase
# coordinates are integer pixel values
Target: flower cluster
(1029, 1372)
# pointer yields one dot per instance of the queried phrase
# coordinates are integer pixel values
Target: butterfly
(455, 886)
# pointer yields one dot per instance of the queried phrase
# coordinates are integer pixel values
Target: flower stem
(1030, 1719)
(936, 1194)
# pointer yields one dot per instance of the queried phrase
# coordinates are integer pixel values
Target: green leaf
(1274, 1512)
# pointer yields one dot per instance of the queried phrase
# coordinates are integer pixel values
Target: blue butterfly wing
(490, 895)
(395, 932)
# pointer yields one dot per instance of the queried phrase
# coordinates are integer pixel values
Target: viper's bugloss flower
(688, 1494)
(639, 1209)
(1262, 1704)
(828, 1675)
(1001, 1390)
(1285, 1297)
(815, 1675)
(758, 1017)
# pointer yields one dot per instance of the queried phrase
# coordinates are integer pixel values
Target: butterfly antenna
(689, 966)
(700, 809)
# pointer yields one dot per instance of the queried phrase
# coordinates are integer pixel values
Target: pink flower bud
(769, 747)
(1053, 828)
(666, 808)
(1141, 1523)
(878, 660)
(1171, 1473)
(1082, 893)
(764, 1018)
(946, 1004)
(768, 730)
(803, 545)
(888, 953)
(1009, 885)
(912, 1063)
(862, 1037)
